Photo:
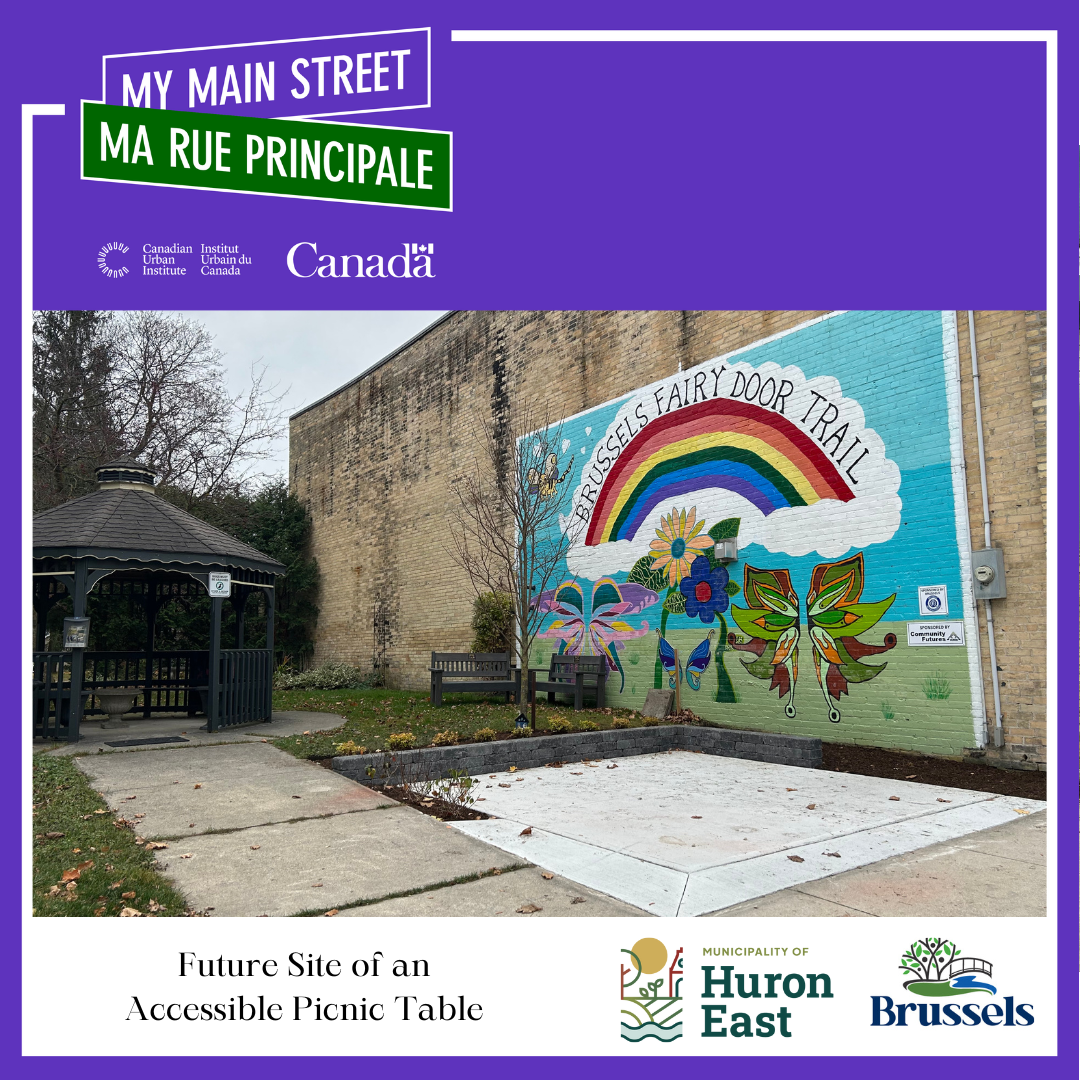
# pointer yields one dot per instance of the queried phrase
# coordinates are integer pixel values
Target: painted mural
(827, 454)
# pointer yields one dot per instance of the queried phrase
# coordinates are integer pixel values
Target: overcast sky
(308, 353)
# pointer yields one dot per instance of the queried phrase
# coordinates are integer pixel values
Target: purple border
(131, 28)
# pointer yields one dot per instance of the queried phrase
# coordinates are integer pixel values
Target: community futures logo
(651, 1008)
(108, 259)
(937, 970)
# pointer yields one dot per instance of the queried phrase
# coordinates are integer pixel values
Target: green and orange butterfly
(834, 618)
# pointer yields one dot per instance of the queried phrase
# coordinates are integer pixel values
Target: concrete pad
(968, 877)
(732, 829)
(92, 738)
(656, 890)
(322, 863)
(241, 785)
(502, 896)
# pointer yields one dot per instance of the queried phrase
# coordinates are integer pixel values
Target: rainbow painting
(717, 444)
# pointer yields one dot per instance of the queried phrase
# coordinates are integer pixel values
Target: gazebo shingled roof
(125, 519)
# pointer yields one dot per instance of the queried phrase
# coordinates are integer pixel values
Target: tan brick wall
(374, 462)
(1011, 348)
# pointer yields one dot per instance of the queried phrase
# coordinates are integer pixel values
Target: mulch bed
(920, 769)
(433, 806)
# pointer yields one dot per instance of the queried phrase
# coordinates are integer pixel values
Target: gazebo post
(270, 644)
(78, 656)
(150, 599)
(213, 690)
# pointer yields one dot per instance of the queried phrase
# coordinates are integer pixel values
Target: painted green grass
(936, 687)
(65, 803)
(367, 718)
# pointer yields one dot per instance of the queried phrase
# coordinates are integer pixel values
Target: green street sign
(300, 159)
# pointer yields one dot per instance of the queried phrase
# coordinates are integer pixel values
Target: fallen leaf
(255, 847)
(504, 785)
(53, 835)
(481, 798)
(70, 875)
(796, 858)
(513, 768)
(492, 776)
(106, 811)
(528, 909)
(189, 855)
(331, 913)
(307, 732)
(944, 800)
(527, 831)
(577, 899)
(832, 854)
(577, 774)
(154, 906)
(127, 896)
(545, 875)
(130, 913)
(99, 911)
(317, 885)
(128, 798)
(612, 767)
(696, 817)
(894, 798)
(85, 865)
(76, 850)
(198, 786)
(154, 845)
(520, 780)
(496, 872)
(791, 789)
(117, 884)
(296, 796)
(1021, 811)
(911, 777)
(811, 806)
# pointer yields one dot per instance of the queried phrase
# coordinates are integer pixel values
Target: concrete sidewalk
(251, 830)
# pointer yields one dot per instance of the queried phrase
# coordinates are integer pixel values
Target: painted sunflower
(679, 544)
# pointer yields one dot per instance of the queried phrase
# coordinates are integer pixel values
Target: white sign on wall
(220, 584)
(933, 600)
(935, 633)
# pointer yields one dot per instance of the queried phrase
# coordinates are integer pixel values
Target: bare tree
(505, 529)
(146, 384)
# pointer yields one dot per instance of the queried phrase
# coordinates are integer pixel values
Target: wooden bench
(576, 675)
(474, 673)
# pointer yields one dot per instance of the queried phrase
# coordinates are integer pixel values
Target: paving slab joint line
(309, 913)
(283, 821)
(149, 749)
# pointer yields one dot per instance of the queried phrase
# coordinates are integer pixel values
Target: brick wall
(374, 462)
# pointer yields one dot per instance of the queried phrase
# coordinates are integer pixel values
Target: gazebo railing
(52, 694)
(172, 682)
(244, 690)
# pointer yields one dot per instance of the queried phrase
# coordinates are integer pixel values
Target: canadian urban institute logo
(935, 969)
(651, 1008)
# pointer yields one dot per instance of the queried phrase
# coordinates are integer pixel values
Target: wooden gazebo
(124, 539)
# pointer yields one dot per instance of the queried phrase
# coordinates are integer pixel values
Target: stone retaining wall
(435, 762)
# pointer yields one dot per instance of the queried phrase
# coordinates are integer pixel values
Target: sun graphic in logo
(649, 955)
(103, 259)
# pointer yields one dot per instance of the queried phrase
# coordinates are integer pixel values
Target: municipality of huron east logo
(651, 1007)
(938, 970)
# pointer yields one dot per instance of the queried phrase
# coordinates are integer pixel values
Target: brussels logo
(935, 969)
(651, 1008)
(939, 970)
(107, 259)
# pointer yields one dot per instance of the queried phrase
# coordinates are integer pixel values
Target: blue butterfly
(667, 658)
(698, 662)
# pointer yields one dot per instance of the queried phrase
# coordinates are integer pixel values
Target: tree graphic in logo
(940, 971)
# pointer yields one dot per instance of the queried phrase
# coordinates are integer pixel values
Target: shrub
(404, 740)
(521, 733)
(493, 622)
(350, 747)
(651, 721)
(331, 675)
(445, 738)
(620, 722)
(559, 725)
(485, 734)
(588, 725)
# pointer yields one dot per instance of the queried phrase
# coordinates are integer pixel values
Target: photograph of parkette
(544, 613)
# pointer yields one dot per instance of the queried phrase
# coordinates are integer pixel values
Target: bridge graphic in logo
(939, 970)
(651, 1008)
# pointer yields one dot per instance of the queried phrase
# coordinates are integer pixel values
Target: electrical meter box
(988, 574)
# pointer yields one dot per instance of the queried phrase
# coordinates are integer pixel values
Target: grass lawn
(372, 716)
(84, 863)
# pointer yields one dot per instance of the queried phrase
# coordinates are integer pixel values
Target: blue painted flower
(704, 590)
